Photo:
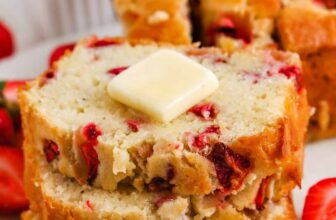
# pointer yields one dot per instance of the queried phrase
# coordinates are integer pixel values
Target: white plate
(320, 158)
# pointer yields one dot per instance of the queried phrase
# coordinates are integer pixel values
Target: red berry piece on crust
(207, 111)
(116, 71)
(59, 51)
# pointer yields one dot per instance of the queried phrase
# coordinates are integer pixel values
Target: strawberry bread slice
(317, 52)
(56, 197)
(248, 133)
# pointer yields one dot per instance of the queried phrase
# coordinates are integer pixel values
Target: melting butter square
(163, 85)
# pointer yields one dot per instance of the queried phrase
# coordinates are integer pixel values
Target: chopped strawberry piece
(231, 168)
(6, 127)
(260, 198)
(89, 205)
(206, 111)
(134, 125)
(212, 129)
(91, 132)
(293, 72)
(47, 75)
(11, 181)
(162, 198)
(6, 41)
(320, 202)
(117, 70)
(59, 51)
(94, 42)
(227, 26)
(201, 140)
(50, 150)
(91, 160)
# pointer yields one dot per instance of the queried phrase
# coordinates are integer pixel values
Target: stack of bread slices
(235, 155)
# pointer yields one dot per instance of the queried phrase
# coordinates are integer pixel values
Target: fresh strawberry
(321, 201)
(59, 51)
(11, 184)
(6, 41)
(6, 127)
(8, 95)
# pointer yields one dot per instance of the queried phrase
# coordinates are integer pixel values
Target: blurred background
(30, 25)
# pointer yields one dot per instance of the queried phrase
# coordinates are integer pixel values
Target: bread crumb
(157, 17)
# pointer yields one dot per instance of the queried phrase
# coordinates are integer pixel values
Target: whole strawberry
(6, 41)
(11, 181)
(6, 127)
(321, 201)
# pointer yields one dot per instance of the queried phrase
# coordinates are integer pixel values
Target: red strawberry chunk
(201, 140)
(320, 202)
(6, 127)
(11, 181)
(231, 168)
(59, 51)
(293, 72)
(89, 205)
(50, 150)
(213, 129)
(94, 42)
(260, 198)
(134, 125)
(91, 132)
(117, 70)
(48, 75)
(227, 26)
(206, 111)
(91, 160)
(6, 41)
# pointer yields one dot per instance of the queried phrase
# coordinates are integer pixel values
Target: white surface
(33, 21)
(320, 157)
(30, 63)
(169, 85)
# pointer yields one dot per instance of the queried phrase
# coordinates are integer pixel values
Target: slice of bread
(163, 21)
(56, 197)
(295, 23)
(252, 131)
(317, 52)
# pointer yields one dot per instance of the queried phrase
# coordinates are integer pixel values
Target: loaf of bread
(241, 141)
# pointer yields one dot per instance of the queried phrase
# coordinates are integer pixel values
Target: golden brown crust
(306, 29)
(320, 80)
(141, 21)
(265, 8)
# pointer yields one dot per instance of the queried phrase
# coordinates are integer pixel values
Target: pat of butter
(163, 85)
